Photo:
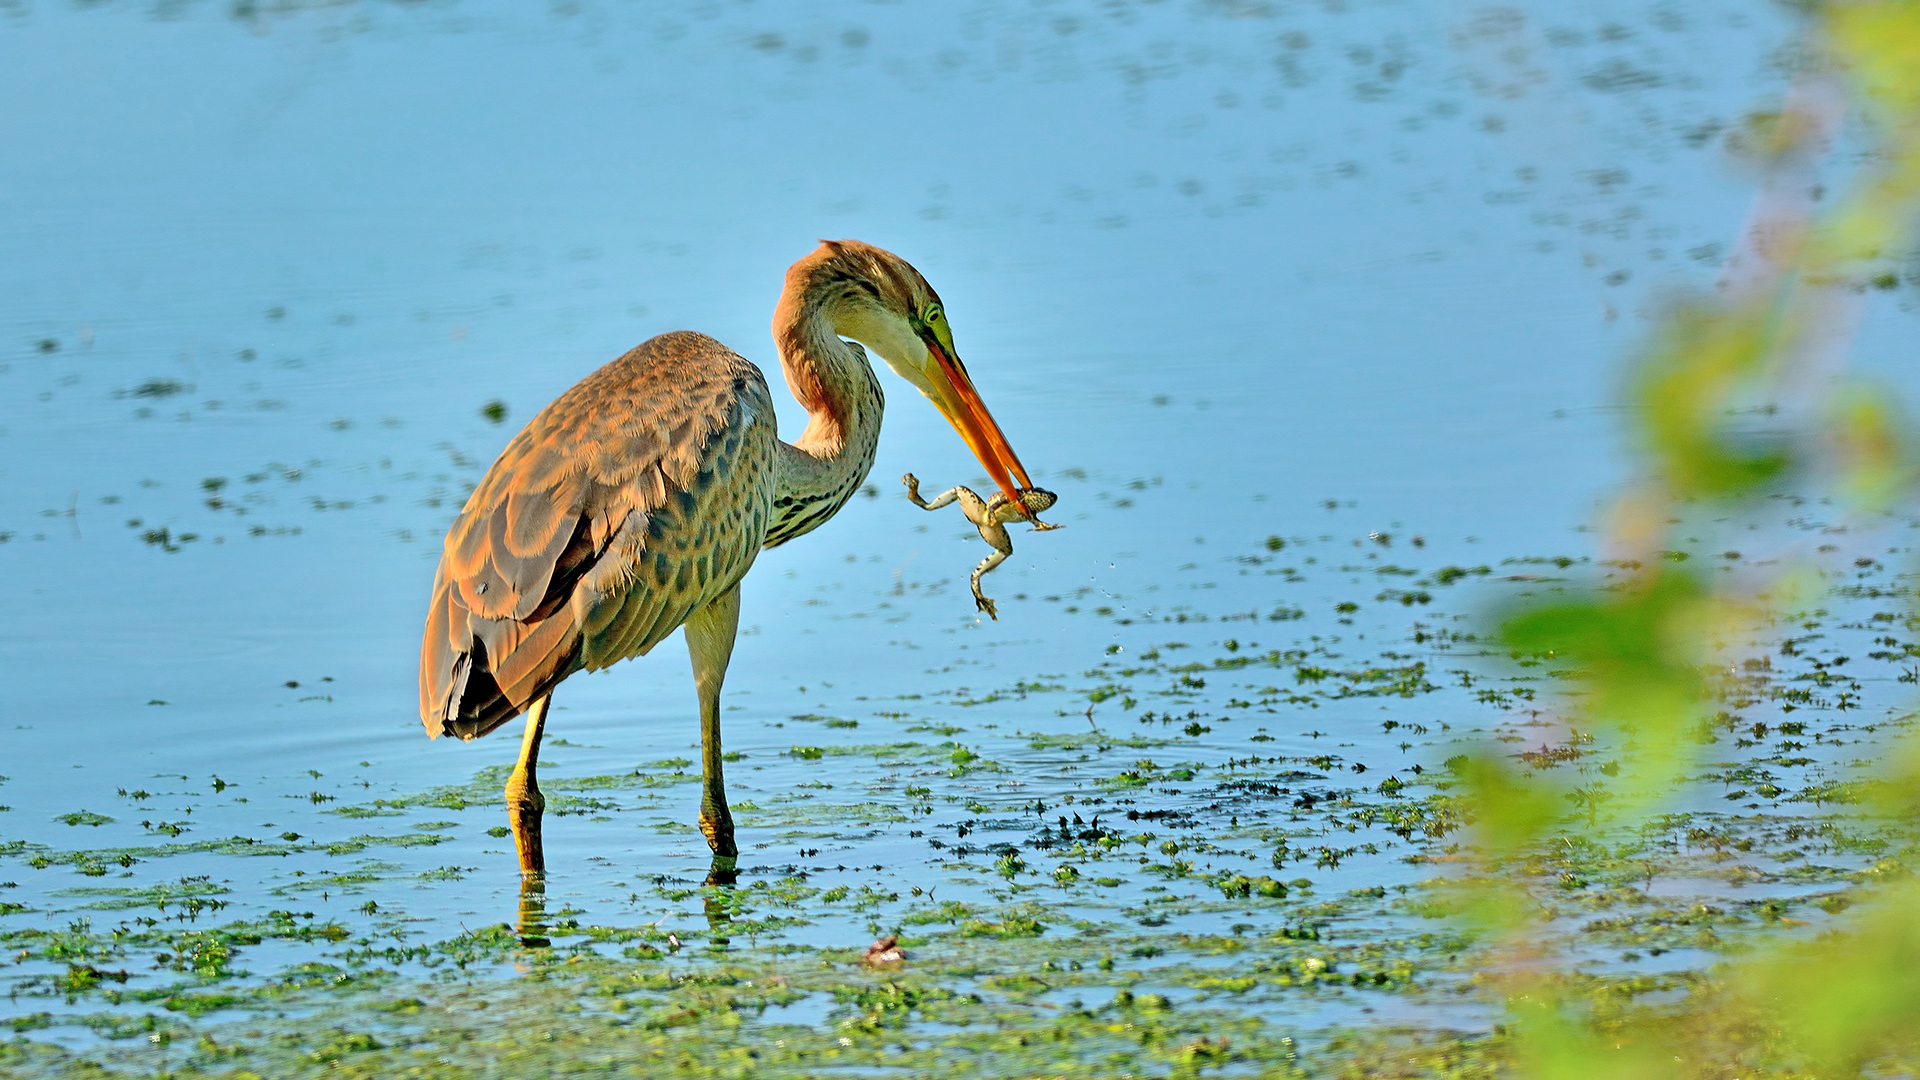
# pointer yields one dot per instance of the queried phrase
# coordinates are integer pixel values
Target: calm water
(1223, 271)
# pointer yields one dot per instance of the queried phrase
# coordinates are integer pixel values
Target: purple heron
(637, 500)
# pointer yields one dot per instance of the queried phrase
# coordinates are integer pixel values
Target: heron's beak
(954, 395)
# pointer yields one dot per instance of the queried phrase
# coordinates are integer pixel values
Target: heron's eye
(932, 314)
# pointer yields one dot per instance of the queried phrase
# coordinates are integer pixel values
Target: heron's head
(878, 299)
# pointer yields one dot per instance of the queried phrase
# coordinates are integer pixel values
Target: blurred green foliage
(1639, 657)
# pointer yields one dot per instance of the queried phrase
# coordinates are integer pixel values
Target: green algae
(1144, 912)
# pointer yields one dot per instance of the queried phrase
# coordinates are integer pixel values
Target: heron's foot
(716, 824)
(1046, 526)
(985, 603)
(525, 807)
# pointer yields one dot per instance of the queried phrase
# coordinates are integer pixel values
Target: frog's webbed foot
(985, 603)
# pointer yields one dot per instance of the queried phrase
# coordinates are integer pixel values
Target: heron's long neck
(821, 471)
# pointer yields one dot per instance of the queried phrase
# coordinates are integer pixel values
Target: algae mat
(1164, 862)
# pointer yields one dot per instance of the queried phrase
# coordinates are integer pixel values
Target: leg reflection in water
(531, 925)
(719, 918)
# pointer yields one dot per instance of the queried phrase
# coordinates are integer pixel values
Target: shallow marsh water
(1312, 314)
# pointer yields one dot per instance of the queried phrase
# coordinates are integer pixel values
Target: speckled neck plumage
(834, 380)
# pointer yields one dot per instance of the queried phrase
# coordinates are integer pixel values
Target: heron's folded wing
(692, 545)
(568, 502)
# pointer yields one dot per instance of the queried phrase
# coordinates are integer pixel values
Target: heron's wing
(595, 533)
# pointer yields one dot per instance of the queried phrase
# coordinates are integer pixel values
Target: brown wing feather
(636, 497)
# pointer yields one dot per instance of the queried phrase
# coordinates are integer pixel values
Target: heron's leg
(524, 801)
(709, 634)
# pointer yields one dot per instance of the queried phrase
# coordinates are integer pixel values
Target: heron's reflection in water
(531, 924)
(719, 921)
(720, 898)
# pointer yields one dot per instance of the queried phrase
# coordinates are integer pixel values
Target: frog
(991, 516)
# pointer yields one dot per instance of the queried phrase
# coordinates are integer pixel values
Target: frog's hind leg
(995, 534)
(981, 600)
